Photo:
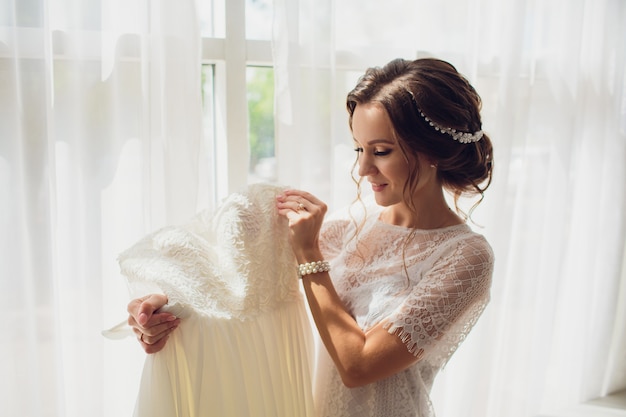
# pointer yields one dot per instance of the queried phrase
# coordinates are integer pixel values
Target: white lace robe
(432, 308)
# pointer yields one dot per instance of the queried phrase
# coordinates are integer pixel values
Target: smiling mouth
(378, 187)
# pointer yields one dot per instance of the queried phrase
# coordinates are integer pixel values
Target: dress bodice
(235, 262)
(427, 287)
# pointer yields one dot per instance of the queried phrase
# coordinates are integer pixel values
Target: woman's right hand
(151, 328)
(305, 214)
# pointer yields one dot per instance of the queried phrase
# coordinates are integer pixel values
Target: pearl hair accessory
(462, 137)
(313, 268)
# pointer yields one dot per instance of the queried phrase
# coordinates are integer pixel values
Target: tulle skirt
(218, 367)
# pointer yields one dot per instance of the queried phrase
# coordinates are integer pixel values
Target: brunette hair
(436, 89)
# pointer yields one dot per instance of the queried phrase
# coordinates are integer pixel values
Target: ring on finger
(300, 207)
(141, 338)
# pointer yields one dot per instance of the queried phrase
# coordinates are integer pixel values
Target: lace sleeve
(332, 237)
(445, 304)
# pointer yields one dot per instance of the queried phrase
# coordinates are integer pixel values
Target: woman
(393, 291)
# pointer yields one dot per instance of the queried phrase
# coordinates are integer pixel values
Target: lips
(378, 187)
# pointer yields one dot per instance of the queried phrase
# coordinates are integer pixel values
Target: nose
(366, 165)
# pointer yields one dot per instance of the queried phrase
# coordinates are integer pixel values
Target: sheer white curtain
(551, 75)
(100, 143)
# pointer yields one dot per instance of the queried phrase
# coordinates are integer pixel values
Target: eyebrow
(377, 141)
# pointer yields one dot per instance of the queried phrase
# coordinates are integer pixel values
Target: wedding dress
(243, 347)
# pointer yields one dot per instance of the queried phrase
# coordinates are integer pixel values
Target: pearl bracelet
(313, 268)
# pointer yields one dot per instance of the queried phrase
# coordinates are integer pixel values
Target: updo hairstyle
(436, 89)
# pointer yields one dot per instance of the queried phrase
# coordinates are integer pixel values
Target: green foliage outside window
(260, 113)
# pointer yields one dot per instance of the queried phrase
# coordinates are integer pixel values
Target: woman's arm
(360, 357)
(430, 323)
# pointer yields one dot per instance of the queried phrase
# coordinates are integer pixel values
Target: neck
(431, 212)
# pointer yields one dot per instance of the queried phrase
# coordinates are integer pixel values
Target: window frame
(231, 56)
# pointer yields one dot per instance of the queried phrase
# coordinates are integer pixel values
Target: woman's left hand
(305, 213)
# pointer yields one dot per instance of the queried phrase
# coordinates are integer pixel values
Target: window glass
(21, 13)
(208, 98)
(260, 95)
(259, 19)
(212, 18)
(207, 196)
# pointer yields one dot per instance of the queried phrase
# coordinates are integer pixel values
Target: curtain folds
(101, 142)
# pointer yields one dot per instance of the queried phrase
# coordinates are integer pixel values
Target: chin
(384, 202)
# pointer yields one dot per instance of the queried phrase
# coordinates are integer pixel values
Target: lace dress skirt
(221, 367)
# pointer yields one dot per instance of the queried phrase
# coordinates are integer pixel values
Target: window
(238, 91)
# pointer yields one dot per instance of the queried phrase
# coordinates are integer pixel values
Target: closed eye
(386, 152)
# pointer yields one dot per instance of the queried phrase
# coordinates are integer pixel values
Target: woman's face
(381, 161)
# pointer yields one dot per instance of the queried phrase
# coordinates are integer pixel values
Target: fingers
(153, 337)
(306, 215)
(300, 202)
(154, 347)
(150, 349)
(143, 308)
(306, 196)
(157, 324)
(153, 334)
(151, 329)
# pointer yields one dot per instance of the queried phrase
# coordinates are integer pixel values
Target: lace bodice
(427, 286)
(232, 263)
